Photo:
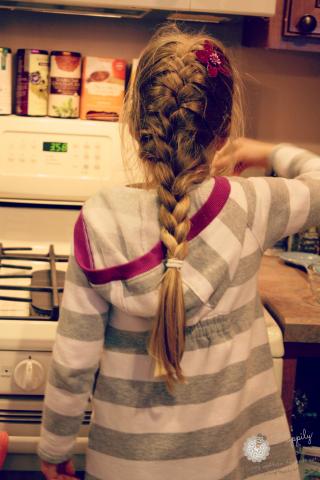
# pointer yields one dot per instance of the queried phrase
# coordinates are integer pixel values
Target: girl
(161, 291)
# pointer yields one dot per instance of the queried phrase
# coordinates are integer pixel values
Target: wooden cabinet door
(302, 17)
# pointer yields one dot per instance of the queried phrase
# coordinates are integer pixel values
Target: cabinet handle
(307, 23)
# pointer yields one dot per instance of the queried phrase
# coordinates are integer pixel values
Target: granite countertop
(286, 293)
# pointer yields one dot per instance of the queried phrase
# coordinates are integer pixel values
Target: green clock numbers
(55, 147)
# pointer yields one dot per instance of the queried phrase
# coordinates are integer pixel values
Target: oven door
(21, 419)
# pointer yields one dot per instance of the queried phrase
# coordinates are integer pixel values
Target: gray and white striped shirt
(139, 431)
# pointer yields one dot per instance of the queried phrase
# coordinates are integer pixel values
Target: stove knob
(307, 24)
(29, 374)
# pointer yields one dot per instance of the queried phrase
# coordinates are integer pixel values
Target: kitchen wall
(281, 88)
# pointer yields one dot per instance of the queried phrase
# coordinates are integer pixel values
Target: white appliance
(137, 8)
(48, 167)
(57, 159)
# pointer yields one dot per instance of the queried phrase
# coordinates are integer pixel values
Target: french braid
(176, 112)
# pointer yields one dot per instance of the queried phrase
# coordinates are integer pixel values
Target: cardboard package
(102, 92)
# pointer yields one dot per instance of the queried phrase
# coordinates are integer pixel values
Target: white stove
(28, 322)
(29, 309)
(48, 168)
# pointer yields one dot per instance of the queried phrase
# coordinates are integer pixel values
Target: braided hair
(176, 111)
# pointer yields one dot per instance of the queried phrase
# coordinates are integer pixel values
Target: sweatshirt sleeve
(75, 360)
(287, 205)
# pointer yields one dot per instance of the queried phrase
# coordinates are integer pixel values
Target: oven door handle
(25, 444)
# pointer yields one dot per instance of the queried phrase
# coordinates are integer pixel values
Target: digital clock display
(55, 147)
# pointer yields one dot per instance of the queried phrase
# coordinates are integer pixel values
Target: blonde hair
(176, 113)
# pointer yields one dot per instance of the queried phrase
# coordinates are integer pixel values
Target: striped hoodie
(207, 429)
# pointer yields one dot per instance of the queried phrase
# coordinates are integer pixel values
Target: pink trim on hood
(209, 210)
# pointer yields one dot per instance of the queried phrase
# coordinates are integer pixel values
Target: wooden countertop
(286, 293)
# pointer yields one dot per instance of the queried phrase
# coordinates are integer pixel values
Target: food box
(65, 75)
(32, 82)
(5, 80)
(102, 92)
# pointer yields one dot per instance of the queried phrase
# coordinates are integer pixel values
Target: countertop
(286, 293)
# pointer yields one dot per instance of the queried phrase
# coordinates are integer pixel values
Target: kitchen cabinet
(295, 26)
(148, 4)
(242, 7)
(163, 4)
(302, 18)
(237, 7)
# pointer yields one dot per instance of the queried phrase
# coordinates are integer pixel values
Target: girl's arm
(75, 360)
(290, 204)
(280, 206)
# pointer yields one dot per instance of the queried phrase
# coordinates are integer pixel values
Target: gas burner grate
(46, 285)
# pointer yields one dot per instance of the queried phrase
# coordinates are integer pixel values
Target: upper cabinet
(295, 26)
(158, 4)
(302, 18)
(113, 4)
(238, 7)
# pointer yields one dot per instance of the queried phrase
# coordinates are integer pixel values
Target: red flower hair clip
(212, 57)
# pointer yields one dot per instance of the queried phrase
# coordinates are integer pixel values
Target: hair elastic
(174, 263)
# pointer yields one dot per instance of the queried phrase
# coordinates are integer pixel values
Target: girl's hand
(62, 471)
(240, 154)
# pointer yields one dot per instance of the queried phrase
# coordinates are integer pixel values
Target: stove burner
(46, 285)
(41, 293)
